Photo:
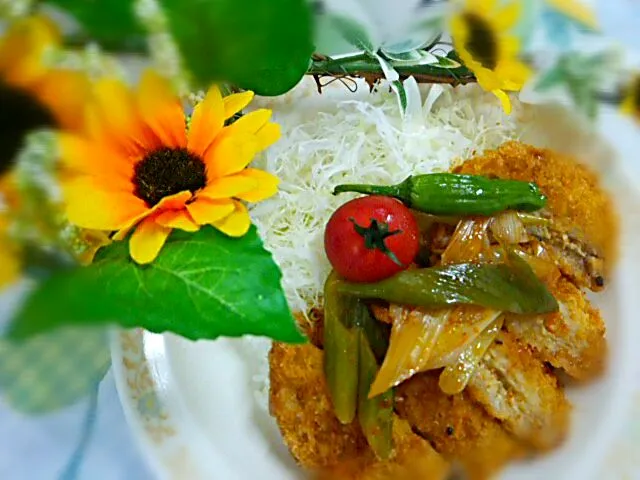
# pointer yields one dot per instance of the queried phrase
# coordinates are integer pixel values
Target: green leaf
(412, 58)
(262, 46)
(110, 21)
(552, 78)
(353, 32)
(202, 286)
(399, 90)
(445, 62)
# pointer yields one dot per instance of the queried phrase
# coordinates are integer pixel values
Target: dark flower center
(166, 172)
(481, 42)
(20, 113)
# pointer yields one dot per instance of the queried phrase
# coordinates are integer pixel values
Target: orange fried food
(414, 458)
(300, 402)
(457, 427)
(572, 339)
(582, 211)
(519, 390)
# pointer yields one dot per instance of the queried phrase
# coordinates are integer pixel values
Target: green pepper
(340, 350)
(375, 415)
(455, 194)
(509, 287)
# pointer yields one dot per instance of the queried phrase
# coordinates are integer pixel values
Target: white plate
(194, 410)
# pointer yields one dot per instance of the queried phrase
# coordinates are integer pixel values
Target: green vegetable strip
(453, 194)
(374, 415)
(511, 287)
(340, 350)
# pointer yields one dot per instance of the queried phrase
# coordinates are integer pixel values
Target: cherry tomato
(371, 238)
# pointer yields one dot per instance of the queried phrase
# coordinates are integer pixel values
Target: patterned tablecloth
(91, 440)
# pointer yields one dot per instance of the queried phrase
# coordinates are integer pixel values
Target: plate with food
(464, 279)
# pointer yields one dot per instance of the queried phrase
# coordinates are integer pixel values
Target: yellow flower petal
(249, 123)
(576, 10)
(206, 122)
(236, 102)
(267, 185)
(147, 241)
(175, 202)
(23, 47)
(204, 211)
(65, 92)
(89, 205)
(9, 265)
(628, 104)
(268, 135)
(178, 219)
(83, 157)
(508, 16)
(227, 187)
(237, 224)
(9, 261)
(161, 110)
(112, 119)
(504, 99)
(229, 154)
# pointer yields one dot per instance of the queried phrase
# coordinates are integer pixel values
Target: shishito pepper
(509, 287)
(354, 343)
(375, 415)
(341, 350)
(456, 194)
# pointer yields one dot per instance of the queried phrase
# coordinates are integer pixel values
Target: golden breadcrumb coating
(575, 195)
(457, 427)
(300, 402)
(414, 458)
(572, 339)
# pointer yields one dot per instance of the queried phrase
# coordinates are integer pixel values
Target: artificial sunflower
(576, 10)
(480, 31)
(32, 94)
(9, 258)
(631, 102)
(140, 167)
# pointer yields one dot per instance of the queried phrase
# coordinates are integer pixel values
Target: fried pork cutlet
(584, 232)
(572, 339)
(458, 428)
(516, 388)
(300, 402)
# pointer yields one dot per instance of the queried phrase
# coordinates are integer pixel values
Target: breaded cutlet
(516, 388)
(300, 402)
(576, 198)
(458, 428)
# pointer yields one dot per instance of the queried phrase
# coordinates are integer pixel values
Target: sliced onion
(464, 326)
(507, 228)
(542, 264)
(413, 336)
(469, 243)
(455, 377)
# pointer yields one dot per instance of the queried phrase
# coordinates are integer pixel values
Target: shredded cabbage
(342, 137)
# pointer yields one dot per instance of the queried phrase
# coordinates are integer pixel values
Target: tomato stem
(375, 235)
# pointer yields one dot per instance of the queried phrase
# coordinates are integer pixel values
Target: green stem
(368, 67)
(395, 191)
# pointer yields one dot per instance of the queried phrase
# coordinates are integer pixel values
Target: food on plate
(459, 357)
(330, 449)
